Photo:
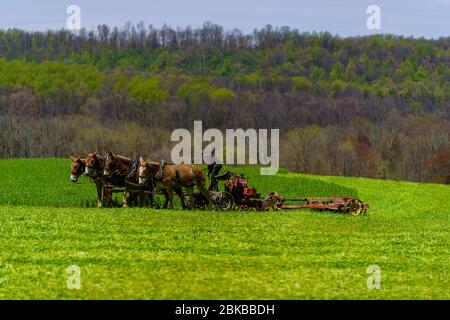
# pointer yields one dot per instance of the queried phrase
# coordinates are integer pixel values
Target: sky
(418, 18)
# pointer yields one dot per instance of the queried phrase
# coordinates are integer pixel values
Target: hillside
(375, 106)
(160, 254)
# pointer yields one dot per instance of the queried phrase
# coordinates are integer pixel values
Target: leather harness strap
(160, 174)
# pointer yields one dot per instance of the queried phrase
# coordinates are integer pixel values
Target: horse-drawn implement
(141, 180)
(237, 195)
(348, 205)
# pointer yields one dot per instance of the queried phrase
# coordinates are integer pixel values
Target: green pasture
(47, 223)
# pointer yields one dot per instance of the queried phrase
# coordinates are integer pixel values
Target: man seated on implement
(214, 166)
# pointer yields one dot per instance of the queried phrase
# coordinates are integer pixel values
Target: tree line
(375, 106)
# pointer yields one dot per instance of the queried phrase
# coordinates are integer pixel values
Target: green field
(47, 224)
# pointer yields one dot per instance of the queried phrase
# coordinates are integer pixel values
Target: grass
(141, 253)
(43, 182)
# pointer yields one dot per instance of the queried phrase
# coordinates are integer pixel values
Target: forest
(374, 106)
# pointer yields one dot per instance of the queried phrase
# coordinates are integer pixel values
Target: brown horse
(173, 178)
(77, 168)
(115, 167)
(94, 169)
(122, 171)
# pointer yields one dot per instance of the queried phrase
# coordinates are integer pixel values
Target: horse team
(152, 177)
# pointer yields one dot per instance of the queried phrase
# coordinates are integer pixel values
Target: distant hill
(374, 106)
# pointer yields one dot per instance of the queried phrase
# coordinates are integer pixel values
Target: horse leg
(133, 199)
(150, 200)
(201, 187)
(141, 199)
(106, 196)
(124, 199)
(179, 192)
(153, 202)
(190, 191)
(99, 195)
(170, 197)
(146, 199)
(166, 199)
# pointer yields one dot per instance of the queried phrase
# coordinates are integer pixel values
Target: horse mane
(125, 159)
(151, 163)
(100, 159)
(153, 166)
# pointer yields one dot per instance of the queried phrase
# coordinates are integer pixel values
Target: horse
(94, 169)
(173, 177)
(77, 168)
(122, 170)
(116, 168)
(145, 177)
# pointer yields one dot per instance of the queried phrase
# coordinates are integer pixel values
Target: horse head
(77, 167)
(110, 164)
(147, 170)
(142, 172)
(94, 165)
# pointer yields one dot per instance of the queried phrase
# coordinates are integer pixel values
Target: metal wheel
(354, 206)
(224, 201)
(271, 203)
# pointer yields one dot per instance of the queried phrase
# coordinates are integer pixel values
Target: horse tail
(177, 176)
(198, 174)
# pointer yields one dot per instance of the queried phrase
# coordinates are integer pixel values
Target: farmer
(214, 166)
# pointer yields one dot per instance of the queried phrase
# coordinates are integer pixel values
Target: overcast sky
(427, 18)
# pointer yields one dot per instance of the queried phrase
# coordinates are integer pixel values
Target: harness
(132, 168)
(81, 168)
(121, 177)
(149, 182)
(160, 174)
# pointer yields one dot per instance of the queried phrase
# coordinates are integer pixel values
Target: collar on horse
(132, 168)
(160, 174)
